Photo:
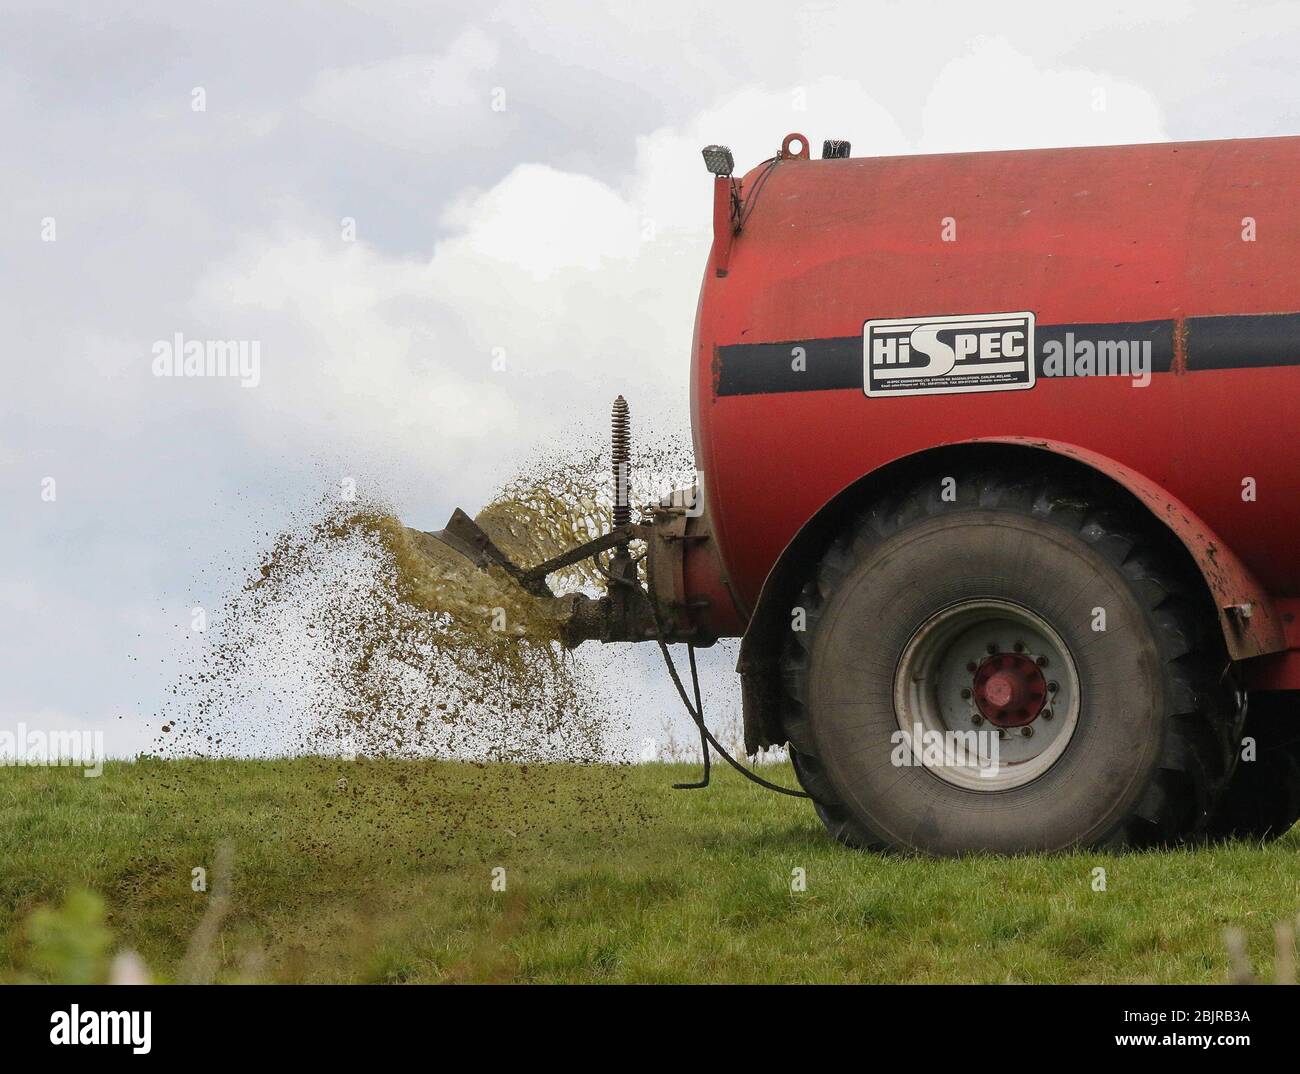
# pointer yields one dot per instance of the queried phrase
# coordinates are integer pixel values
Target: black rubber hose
(697, 711)
(704, 742)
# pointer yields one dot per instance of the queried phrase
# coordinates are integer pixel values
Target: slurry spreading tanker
(996, 487)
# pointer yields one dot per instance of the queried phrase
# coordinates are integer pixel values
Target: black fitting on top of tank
(835, 149)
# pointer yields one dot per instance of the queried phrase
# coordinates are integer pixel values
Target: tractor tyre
(1008, 665)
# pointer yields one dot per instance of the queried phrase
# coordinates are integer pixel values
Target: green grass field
(382, 871)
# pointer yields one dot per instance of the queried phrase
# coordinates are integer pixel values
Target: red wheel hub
(1009, 689)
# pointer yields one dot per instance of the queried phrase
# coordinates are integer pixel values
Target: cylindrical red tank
(1194, 247)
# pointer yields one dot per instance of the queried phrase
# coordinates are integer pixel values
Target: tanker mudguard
(1251, 623)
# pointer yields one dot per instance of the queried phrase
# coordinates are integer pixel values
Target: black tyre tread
(1262, 802)
(813, 780)
(1203, 730)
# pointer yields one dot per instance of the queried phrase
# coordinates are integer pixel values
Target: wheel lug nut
(965, 695)
(976, 719)
(1047, 714)
(992, 647)
(1042, 661)
(1052, 687)
(1027, 731)
(1019, 646)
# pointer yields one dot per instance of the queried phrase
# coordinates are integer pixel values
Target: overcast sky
(525, 180)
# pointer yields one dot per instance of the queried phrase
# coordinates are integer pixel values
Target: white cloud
(358, 349)
(541, 221)
(429, 103)
(996, 98)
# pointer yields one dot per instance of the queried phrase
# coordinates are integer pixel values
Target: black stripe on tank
(1237, 341)
(1243, 341)
(836, 362)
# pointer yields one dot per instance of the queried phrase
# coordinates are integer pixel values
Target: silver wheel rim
(959, 667)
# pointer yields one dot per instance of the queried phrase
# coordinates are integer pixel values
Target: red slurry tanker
(998, 488)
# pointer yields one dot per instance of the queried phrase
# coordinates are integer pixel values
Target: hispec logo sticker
(988, 352)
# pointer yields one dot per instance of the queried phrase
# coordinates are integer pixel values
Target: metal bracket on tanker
(630, 609)
(733, 204)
